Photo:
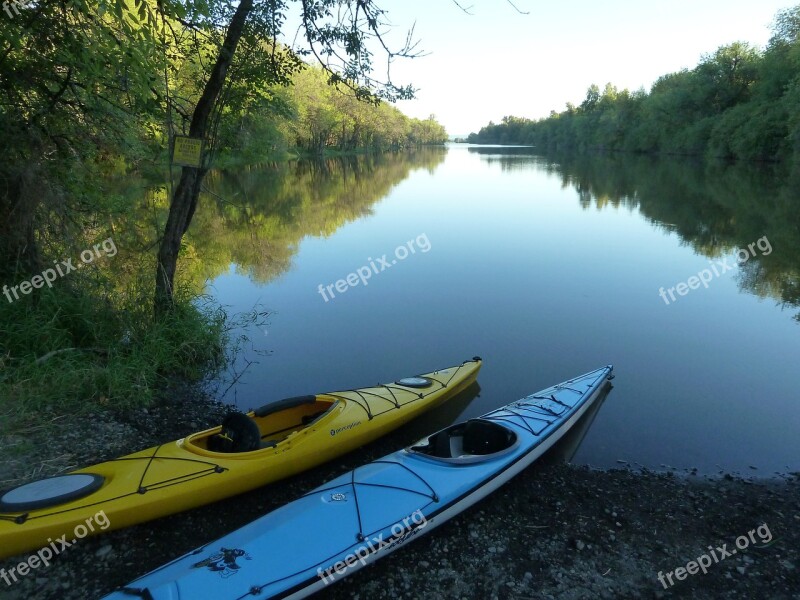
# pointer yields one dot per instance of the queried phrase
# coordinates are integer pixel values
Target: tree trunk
(19, 201)
(187, 192)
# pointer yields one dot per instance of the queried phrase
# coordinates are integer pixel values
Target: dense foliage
(739, 102)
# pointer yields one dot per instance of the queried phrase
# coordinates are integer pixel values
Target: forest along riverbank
(556, 531)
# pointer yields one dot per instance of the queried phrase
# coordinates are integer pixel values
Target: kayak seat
(441, 445)
(484, 437)
(239, 433)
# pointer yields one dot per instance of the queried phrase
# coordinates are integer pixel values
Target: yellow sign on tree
(187, 151)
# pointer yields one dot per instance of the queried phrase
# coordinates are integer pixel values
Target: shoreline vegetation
(739, 102)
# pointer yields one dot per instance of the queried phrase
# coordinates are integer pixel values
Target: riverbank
(556, 531)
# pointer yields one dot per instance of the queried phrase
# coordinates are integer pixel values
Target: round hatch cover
(49, 492)
(415, 382)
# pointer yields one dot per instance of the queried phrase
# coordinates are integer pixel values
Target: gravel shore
(556, 531)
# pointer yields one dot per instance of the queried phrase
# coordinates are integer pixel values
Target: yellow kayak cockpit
(261, 429)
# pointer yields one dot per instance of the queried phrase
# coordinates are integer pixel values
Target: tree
(74, 78)
(725, 77)
(338, 33)
(592, 98)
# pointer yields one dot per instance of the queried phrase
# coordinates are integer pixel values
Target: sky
(495, 61)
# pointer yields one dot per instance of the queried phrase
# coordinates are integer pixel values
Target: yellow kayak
(295, 434)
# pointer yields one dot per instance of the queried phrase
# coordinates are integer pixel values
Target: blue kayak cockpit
(476, 440)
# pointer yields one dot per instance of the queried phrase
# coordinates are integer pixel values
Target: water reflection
(716, 208)
(565, 449)
(255, 217)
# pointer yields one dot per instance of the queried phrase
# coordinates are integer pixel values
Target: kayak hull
(363, 515)
(185, 473)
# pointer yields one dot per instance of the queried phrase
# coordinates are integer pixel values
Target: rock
(741, 570)
(103, 551)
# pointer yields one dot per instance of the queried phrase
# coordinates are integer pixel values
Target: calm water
(546, 268)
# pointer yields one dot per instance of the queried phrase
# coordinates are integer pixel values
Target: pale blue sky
(498, 62)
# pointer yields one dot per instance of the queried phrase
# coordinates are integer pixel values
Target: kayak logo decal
(345, 428)
(223, 562)
(339, 497)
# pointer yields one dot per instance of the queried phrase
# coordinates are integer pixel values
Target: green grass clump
(73, 350)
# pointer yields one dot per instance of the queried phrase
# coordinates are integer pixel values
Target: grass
(75, 349)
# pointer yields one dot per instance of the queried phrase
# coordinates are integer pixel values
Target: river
(684, 276)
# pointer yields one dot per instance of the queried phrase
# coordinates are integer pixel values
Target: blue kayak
(363, 515)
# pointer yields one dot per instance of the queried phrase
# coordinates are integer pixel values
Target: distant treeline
(311, 117)
(739, 102)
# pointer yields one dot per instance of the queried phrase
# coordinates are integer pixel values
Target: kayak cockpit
(474, 441)
(261, 429)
